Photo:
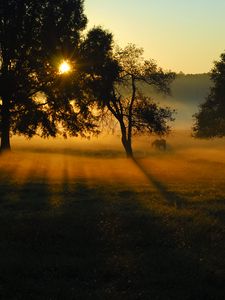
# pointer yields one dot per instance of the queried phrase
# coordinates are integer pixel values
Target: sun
(64, 67)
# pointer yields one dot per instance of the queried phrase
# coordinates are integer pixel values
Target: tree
(210, 120)
(119, 87)
(35, 35)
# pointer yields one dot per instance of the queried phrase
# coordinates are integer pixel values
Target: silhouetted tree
(210, 120)
(35, 35)
(100, 69)
(119, 89)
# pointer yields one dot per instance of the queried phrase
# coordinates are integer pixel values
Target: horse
(159, 144)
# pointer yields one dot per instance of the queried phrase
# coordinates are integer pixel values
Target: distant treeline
(191, 87)
(186, 88)
(188, 91)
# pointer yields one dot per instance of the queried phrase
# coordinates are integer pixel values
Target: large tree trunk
(127, 145)
(128, 148)
(129, 141)
(126, 141)
(5, 128)
(125, 136)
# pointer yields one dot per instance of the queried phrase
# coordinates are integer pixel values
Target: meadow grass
(83, 223)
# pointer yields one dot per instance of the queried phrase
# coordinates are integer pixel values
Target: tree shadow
(93, 153)
(94, 250)
(8, 181)
(100, 244)
(170, 197)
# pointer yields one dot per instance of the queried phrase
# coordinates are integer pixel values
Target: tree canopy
(210, 120)
(121, 93)
(35, 36)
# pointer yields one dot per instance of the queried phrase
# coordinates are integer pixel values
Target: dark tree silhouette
(120, 84)
(100, 69)
(210, 120)
(35, 35)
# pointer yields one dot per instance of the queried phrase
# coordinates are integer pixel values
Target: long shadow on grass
(7, 179)
(99, 153)
(33, 194)
(171, 197)
(101, 244)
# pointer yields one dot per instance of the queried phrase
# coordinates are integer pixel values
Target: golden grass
(137, 216)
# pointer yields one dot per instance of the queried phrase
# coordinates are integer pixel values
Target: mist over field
(79, 219)
(82, 220)
(120, 214)
(103, 158)
(188, 91)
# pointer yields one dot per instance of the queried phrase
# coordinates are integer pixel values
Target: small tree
(210, 120)
(120, 92)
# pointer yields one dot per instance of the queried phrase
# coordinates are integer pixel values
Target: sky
(180, 35)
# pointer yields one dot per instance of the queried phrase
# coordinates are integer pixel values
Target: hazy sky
(181, 35)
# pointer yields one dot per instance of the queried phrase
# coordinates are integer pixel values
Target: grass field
(80, 221)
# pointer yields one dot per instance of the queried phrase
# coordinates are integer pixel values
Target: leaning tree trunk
(125, 138)
(129, 140)
(5, 126)
(128, 148)
(126, 143)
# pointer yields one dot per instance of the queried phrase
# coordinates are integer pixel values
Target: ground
(90, 224)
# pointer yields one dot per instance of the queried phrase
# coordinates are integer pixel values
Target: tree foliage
(210, 120)
(100, 68)
(120, 92)
(150, 118)
(35, 99)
